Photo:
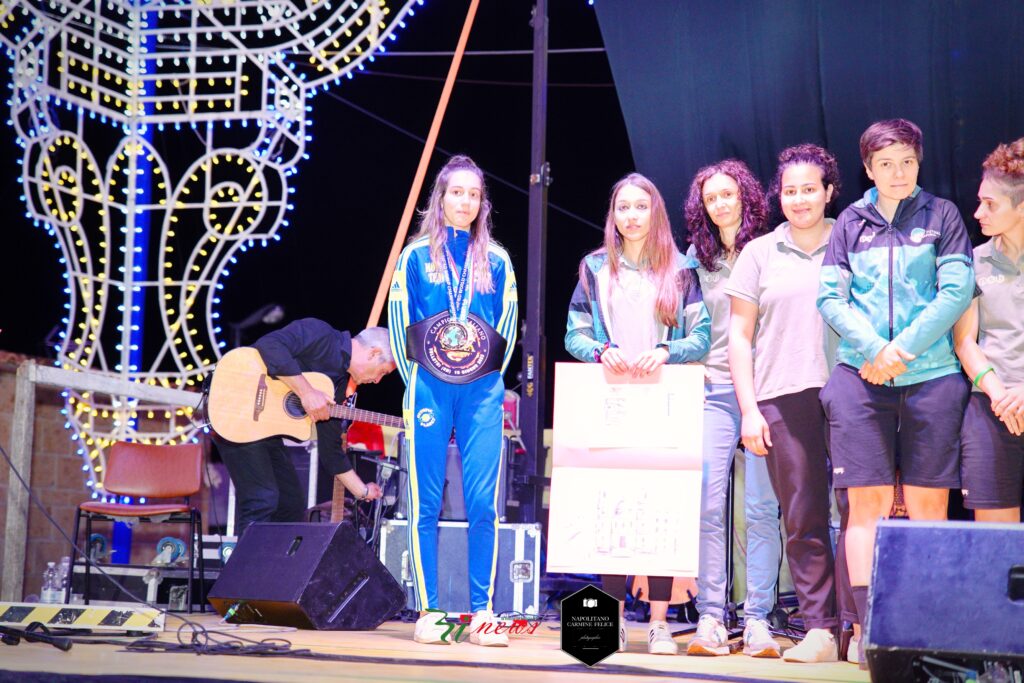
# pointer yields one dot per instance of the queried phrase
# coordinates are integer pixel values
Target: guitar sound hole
(293, 406)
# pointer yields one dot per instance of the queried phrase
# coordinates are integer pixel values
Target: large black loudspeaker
(945, 590)
(320, 576)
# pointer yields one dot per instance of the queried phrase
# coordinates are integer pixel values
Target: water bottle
(64, 575)
(49, 592)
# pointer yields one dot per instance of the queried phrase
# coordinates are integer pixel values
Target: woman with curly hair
(638, 306)
(725, 210)
(773, 288)
(989, 340)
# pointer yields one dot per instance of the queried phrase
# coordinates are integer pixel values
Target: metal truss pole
(533, 407)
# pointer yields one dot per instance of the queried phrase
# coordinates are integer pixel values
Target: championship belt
(453, 351)
(456, 346)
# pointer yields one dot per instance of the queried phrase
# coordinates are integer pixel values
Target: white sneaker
(852, 653)
(758, 640)
(482, 630)
(659, 640)
(432, 629)
(623, 638)
(819, 645)
(710, 640)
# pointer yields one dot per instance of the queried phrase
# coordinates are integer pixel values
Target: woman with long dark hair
(725, 210)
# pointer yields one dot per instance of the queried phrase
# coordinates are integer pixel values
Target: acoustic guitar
(246, 404)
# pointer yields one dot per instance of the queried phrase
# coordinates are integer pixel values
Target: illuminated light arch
(182, 117)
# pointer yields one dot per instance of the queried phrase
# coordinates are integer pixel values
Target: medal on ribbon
(455, 345)
(456, 335)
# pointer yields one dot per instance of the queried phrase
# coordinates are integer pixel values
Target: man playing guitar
(266, 484)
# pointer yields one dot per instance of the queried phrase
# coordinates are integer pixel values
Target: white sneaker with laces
(659, 640)
(819, 645)
(623, 637)
(431, 629)
(710, 640)
(482, 630)
(758, 640)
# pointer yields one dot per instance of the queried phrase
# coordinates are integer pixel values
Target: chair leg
(88, 554)
(74, 555)
(202, 562)
(191, 558)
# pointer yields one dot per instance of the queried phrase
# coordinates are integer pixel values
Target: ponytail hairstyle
(1005, 166)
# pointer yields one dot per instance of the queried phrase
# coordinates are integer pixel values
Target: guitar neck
(357, 415)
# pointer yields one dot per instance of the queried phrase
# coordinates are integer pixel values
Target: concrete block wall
(59, 482)
(57, 476)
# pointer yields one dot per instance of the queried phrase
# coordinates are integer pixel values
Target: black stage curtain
(702, 80)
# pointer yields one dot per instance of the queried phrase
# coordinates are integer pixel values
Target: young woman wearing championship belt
(453, 315)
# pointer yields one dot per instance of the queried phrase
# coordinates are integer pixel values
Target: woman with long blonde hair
(638, 306)
(452, 310)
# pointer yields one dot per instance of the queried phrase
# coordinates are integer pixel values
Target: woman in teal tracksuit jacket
(896, 277)
(587, 331)
(637, 306)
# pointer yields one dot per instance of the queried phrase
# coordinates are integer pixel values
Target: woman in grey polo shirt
(774, 286)
(989, 341)
(725, 210)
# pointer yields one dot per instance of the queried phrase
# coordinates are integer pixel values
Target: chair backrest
(367, 435)
(137, 469)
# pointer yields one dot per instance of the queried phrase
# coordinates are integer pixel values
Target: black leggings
(660, 587)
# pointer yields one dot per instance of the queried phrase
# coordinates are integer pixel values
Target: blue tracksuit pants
(432, 409)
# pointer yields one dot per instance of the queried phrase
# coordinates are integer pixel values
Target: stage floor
(389, 654)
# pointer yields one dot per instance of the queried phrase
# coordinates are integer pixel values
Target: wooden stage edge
(389, 654)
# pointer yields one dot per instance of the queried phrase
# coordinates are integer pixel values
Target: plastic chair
(147, 471)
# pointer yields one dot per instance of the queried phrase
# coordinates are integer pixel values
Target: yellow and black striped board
(92, 617)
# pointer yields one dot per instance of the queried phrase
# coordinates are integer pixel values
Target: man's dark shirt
(311, 345)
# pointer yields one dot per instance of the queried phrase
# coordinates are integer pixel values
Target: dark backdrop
(696, 81)
(706, 79)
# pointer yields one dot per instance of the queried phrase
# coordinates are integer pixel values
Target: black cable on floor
(201, 641)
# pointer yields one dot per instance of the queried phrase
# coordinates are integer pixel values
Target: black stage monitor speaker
(320, 576)
(945, 590)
